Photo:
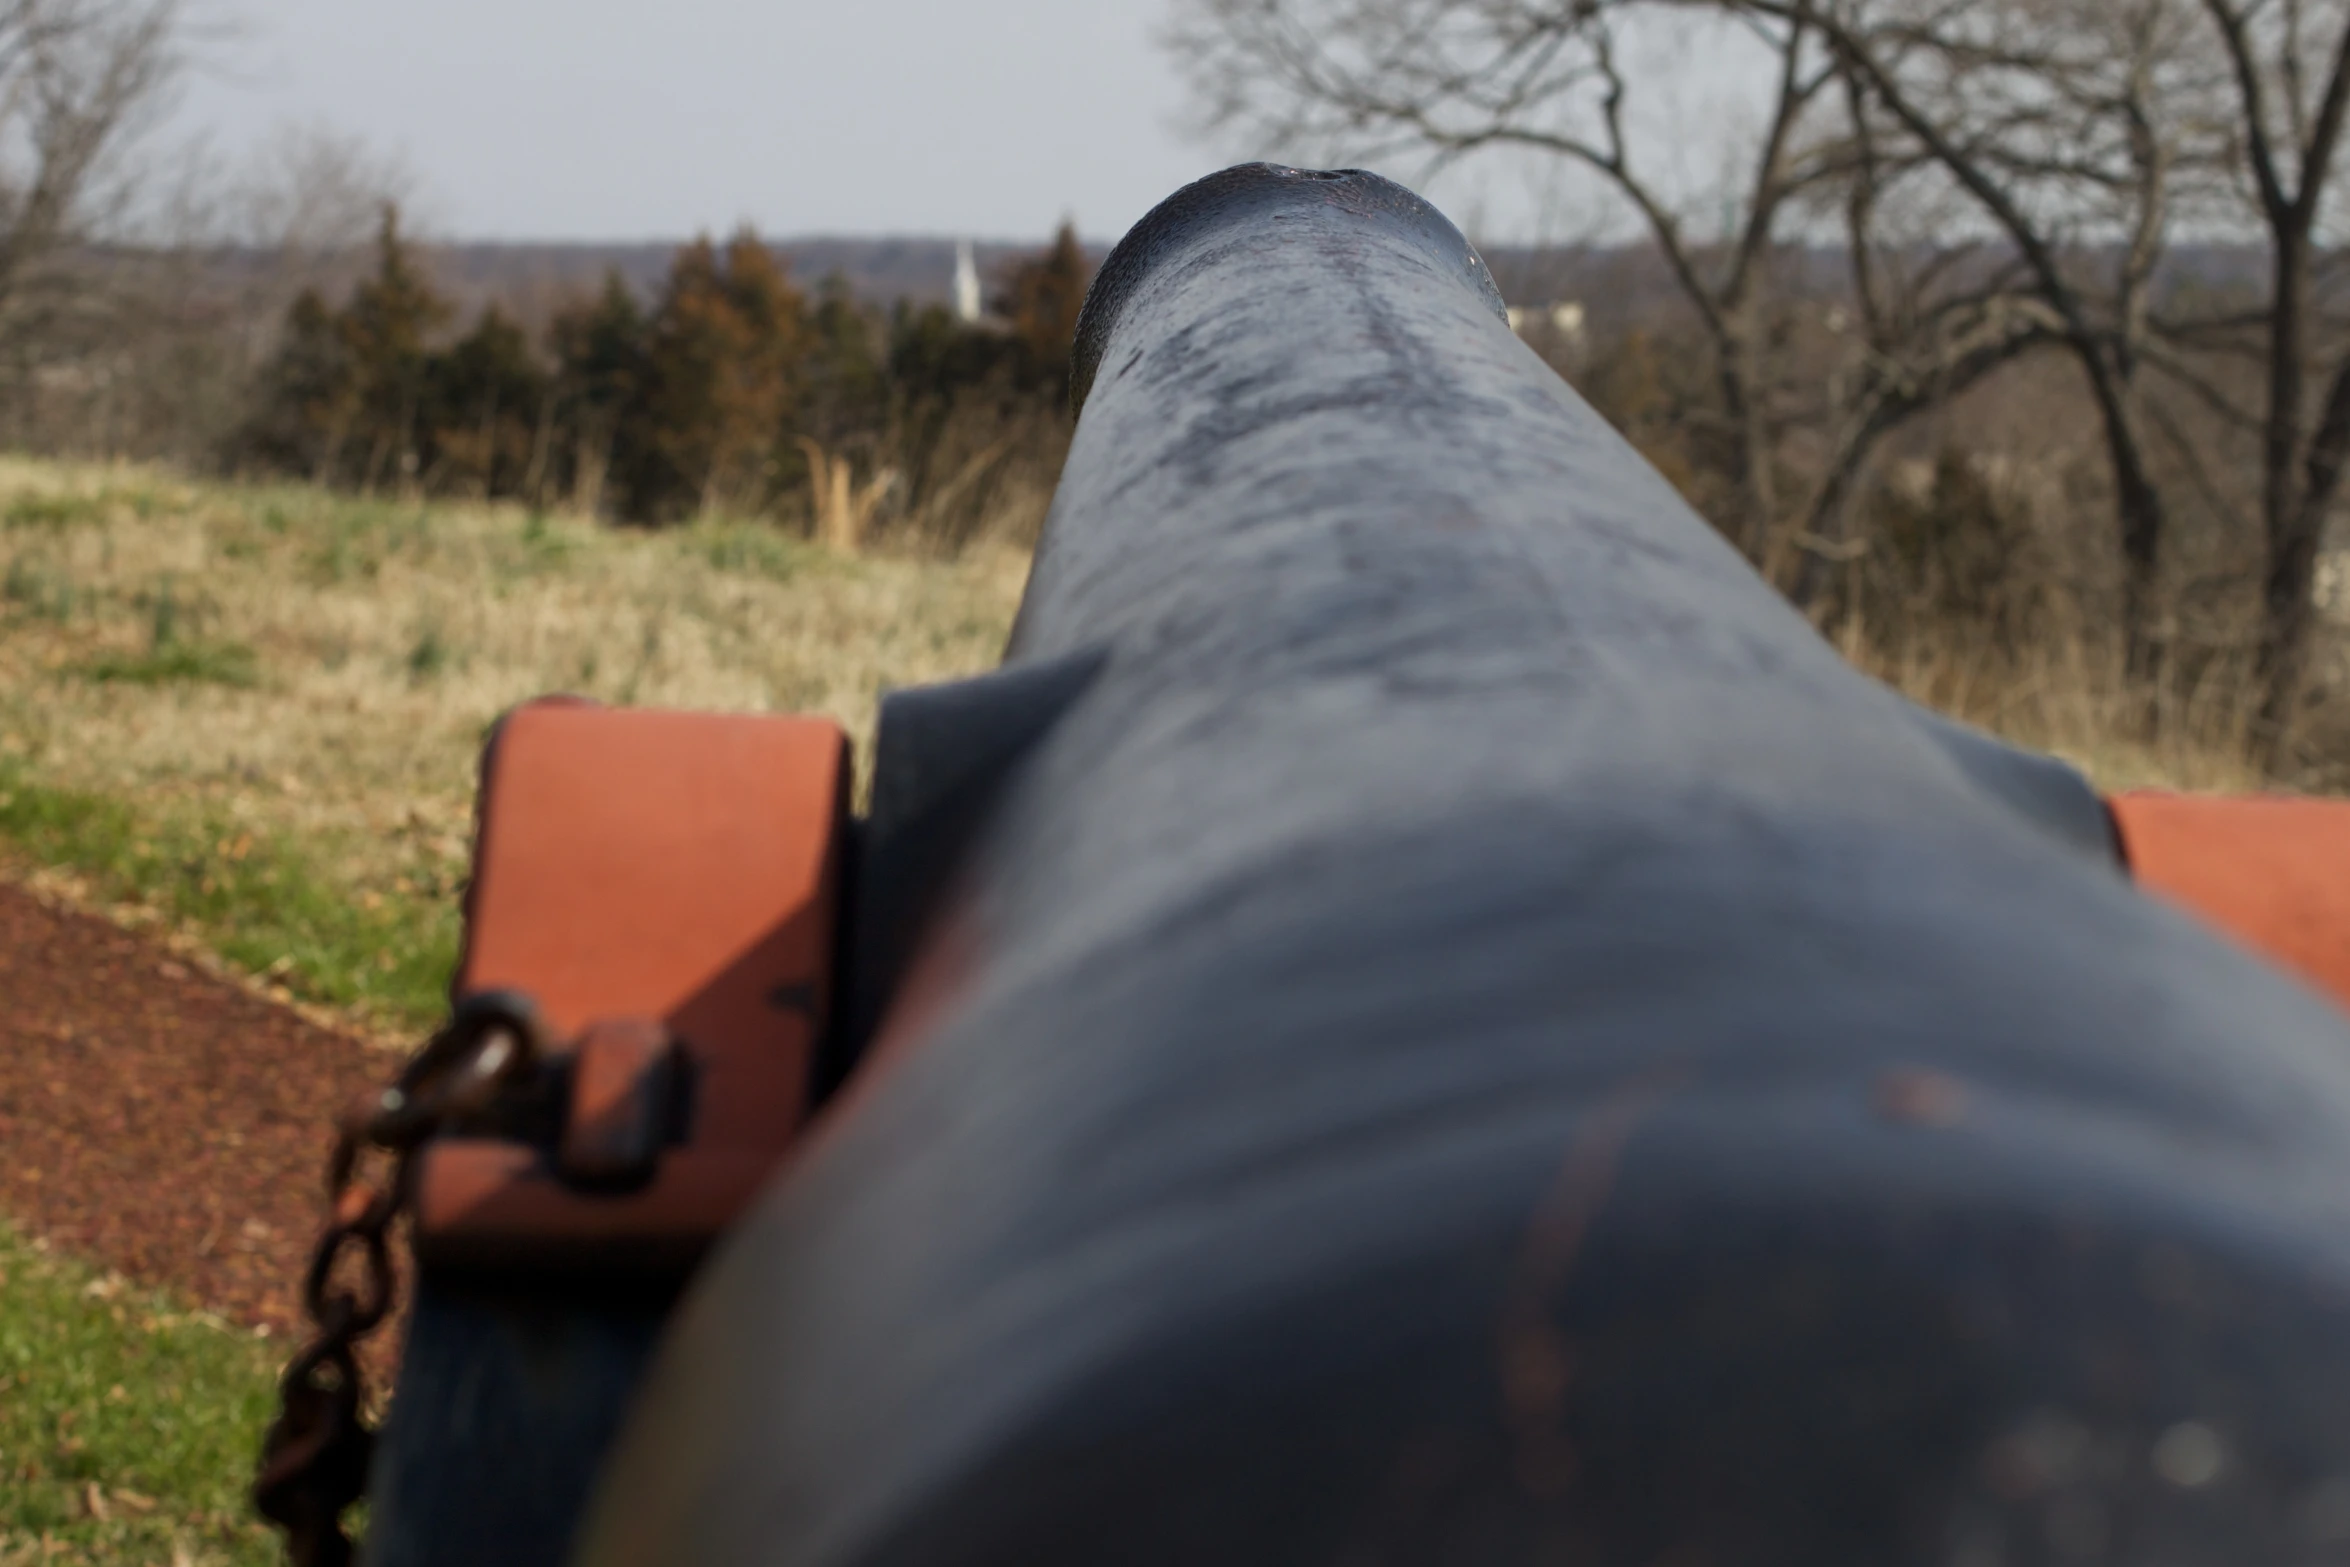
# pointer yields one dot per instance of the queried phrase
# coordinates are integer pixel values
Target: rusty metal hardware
(664, 885)
(662, 888)
(624, 1105)
(315, 1456)
(2271, 871)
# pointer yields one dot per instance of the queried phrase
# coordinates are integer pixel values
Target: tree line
(158, 305)
(733, 391)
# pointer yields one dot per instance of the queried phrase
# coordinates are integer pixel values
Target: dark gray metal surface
(1490, 1044)
(507, 1398)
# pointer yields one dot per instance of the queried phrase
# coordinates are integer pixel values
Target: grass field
(252, 715)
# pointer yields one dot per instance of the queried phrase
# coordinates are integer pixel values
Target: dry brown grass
(328, 665)
(322, 663)
(208, 669)
(2068, 698)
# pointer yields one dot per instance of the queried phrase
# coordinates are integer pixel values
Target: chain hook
(315, 1457)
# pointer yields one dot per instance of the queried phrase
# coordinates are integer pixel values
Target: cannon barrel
(1426, 1016)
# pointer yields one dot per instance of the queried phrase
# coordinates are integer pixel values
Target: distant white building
(1554, 331)
(2332, 589)
(1564, 320)
(966, 283)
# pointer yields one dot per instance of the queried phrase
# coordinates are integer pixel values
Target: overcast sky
(657, 119)
(629, 119)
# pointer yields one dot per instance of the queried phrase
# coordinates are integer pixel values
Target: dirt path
(161, 1122)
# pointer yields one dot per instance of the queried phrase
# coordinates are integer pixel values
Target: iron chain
(315, 1458)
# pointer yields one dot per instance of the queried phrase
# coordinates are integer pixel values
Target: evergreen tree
(844, 376)
(758, 413)
(307, 397)
(688, 344)
(387, 329)
(1041, 299)
(599, 348)
(486, 401)
(933, 356)
(730, 392)
(719, 359)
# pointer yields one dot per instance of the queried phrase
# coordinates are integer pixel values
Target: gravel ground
(161, 1122)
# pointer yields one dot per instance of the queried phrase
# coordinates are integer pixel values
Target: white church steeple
(966, 283)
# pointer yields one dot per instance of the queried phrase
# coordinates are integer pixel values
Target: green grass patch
(176, 662)
(542, 546)
(429, 655)
(39, 590)
(128, 1427)
(352, 540)
(263, 901)
(173, 655)
(56, 513)
(753, 550)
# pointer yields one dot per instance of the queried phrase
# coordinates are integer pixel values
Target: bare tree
(2293, 93)
(77, 80)
(313, 193)
(1936, 314)
(1448, 80)
(2089, 133)
(301, 214)
(2081, 131)
(1340, 78)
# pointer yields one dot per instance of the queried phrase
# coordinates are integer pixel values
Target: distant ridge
(531, 277)
(879, 271)
(1625, 281)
